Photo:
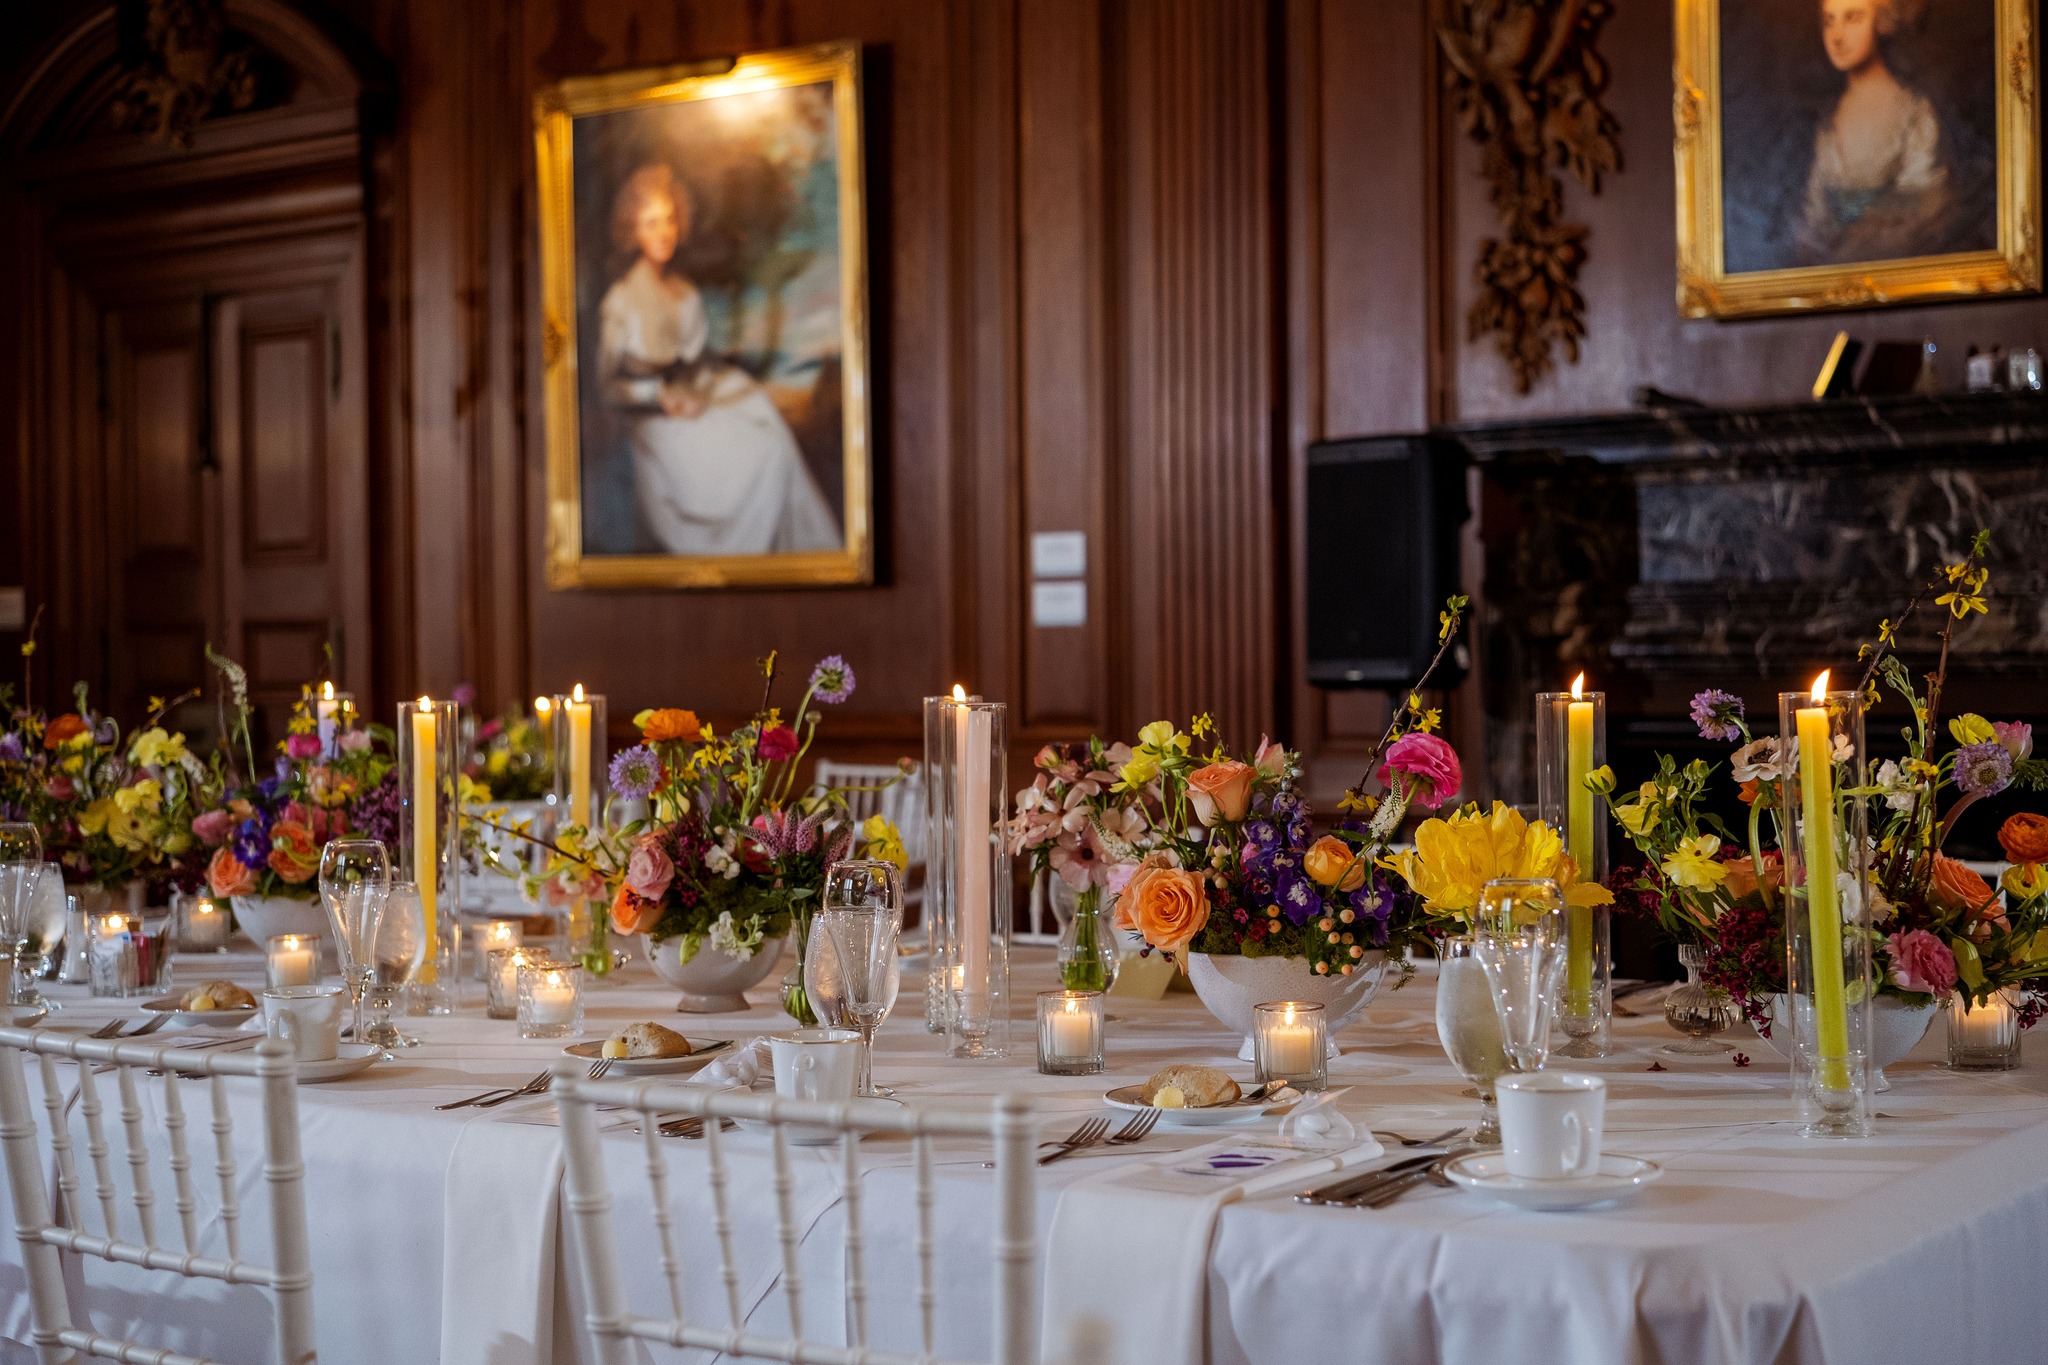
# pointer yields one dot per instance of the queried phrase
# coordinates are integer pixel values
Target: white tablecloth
(436, 1235)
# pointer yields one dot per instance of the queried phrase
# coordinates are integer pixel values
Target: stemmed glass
(355, 884)
(44, 938)
(861, 918)
(21, 868)
(1519, 939)
(1468, 1024)
(395, 953)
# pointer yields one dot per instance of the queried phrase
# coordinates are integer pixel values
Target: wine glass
(43, 938)
(861, 918)
(395, 952)
(21, 870)
(1468, 1024)
(355, 883)
(1520, 941)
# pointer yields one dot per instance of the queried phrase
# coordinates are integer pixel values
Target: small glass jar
(493, 934)
(1070, 1033)
(1985, 1037)
(1698, 1010)
(291, 960)
(1289, 1040)
(550, 1000)
(501, 978)
(203, 924)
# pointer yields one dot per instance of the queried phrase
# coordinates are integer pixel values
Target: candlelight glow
(426, 703)
(576, 693)
(1578, 687)
(1820, 685)
(959, 692)
(327, 691)
(543, 705)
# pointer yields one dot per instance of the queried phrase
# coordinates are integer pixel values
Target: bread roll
(216, 995)
(1199, 1086)
(646, 1040)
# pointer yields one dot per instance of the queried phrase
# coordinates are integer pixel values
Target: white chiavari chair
(62, 1329)
(614, 1326)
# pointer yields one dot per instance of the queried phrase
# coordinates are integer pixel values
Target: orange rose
(1221, 791)
(671, 723)
(65, 727)
(1955, 887)
(2024, 837)
(1332, 862)
(1165, 904)
(1741, 879)
(633, 914)
(293, 854)
(230, 876)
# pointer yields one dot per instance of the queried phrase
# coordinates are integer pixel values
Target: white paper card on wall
(1059, 554)
(13, 608)
(1062, 603)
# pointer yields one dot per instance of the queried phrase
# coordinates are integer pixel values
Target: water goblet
(395, 953)
(861, 919)
(1468, 1025)
(355, 883)
(21, 871)
(43, 940)
(1520, 942)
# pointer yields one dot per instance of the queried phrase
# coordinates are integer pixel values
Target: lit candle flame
(576, 693)
(542, 705)
(959, 692)
(1820, 685)
(1290, 1014)
(115, 924)
(327, 691)
(426, 703)
(1578, 687)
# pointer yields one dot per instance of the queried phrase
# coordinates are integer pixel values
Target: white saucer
(351, 1058)
(1213, 1116)
(1618, 1177)
(702, 1050)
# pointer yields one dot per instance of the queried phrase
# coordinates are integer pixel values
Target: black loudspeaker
(1383, 519)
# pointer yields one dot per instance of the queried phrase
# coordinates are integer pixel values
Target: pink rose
(2016, 735)
(778, 742)
(60, 788)
(649, 871)
(212, 828)
(1431, 764)
(229, 876)
(1221, 791)
(302, 746)
(355, 741)
(1921, 962)
(1270, 758)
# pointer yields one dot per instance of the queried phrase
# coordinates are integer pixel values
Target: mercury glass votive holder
(1289, 1041)
(501, 978)
(550, 1000)
(1070, 1033)
(291, 960)
(203, 924)
(492, 935)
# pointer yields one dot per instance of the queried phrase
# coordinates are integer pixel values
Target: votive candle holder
(203, 925)
(291, 960)
(1289, 1041)
(1070, 1033)
(501, 978)
(492, 935)
(550, 1000)
(1986, 1036)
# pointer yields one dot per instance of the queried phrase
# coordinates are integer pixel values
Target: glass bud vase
(1698, 1010)
(796, 997)
(1087, 955)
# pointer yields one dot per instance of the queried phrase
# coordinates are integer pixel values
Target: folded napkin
(740, 1068)
(1127, 1260)
(498, 1261)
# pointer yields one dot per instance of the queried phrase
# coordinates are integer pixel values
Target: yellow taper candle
(971, 824)
(1823, 901)
(579, 759)
(1579, 843)
(425, 811)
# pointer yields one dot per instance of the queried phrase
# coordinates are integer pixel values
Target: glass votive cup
(492, 935)
(1985, 1037)
(1070, 1033)
(203, 924)
(114, 955)
(501, 978)
(291, 960)
(550, 1000)
(1289, 1041)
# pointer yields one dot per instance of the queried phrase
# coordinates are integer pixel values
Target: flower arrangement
(511, 759)
(265, 834)
(1456, 856)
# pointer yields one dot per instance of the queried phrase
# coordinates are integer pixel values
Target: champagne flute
(861, 918)
(355, 883)
(21, 870)
(1519, 940)
(395, 953)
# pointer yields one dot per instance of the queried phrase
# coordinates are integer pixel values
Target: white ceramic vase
(263, 918)
(1895, 1026)
(1230, 985)
(713, 981)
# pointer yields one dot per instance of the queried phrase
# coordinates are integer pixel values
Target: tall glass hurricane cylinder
(1571, 742)
(938, 1000)
(428, 830)
(973, 808)
(1827, 915)
(581, 778)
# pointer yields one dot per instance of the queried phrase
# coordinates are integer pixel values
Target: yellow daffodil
(1971, 728)
(156, 748)
(2025, 881)
(881, 839)
(1453, 859)
(1695, 864)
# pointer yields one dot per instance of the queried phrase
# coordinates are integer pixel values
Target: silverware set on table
(1381, 1186)
(503, 1094)
(1095, 1133)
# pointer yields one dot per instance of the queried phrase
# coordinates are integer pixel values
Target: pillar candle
(325, 711)
(425, 811)
(1823, 903)
(1579, 843)
(1290, 1046)
(1072, 1030)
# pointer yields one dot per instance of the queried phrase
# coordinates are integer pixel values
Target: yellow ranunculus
(1971, 728)
(1696, 865)
(881, 839)
(2025, 881)
(1455, 858)
(156, 748)
(144, 796)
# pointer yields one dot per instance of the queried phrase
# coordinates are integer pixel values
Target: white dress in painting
(726, 478)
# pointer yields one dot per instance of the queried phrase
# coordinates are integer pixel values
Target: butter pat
(615, 1047)
(1169, 1097)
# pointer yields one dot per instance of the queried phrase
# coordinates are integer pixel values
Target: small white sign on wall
(1059, 554)
(1060, 603)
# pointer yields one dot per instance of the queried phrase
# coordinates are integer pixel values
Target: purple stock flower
(635, 772)
(1983, 769)
(375, 813)
(832, 680)
(1718, 714)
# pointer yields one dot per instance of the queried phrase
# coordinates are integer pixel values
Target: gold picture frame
(624, 115)
(1708, 288)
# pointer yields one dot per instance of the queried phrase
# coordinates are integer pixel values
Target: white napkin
(740, 1068)
(1127, 1259)
(498, 1267)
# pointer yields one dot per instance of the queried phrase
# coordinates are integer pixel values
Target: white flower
(726, 937)
(1757, 761)
(1896, 786)
(719, 862)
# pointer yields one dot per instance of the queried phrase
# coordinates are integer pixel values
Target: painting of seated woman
(707, 424)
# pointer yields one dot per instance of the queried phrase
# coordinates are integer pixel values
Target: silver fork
(1087, 1135)
(533, 1087)
(505, 1091)
(1444, 1136)
(111, 1029)
(599, 1067)
(153, 1025)
(1137, 1130)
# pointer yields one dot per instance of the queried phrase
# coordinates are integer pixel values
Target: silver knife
(1351, 1186)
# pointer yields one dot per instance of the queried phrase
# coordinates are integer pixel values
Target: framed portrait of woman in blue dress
(1854, 153)
(704, 279)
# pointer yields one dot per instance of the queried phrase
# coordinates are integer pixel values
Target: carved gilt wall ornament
(181, 64)
(1526, 83)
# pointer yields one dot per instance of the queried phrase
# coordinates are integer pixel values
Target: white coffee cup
(816, 1063)
(1550, 1124)
(307, 1017)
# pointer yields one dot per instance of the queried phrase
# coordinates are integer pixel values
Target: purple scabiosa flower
(464, 694)
(10, 748)
(636, 772)
(832, 680)
(1718, 714)
(1983, 769)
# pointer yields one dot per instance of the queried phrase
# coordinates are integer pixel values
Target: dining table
(438, 1235)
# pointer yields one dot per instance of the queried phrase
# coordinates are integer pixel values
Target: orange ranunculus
(228, 875)
(671, 723)
(64, 727)
(1162, 902)
(633, 914)
(2024, 837)
(294, 855)
(1332, 862)
(1742, 878)
(1221, 791)
(1955, 887)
